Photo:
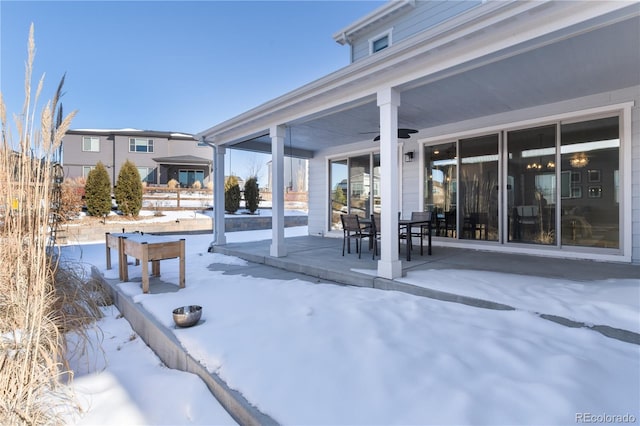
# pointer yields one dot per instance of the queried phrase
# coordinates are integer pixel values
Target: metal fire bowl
(186, 316)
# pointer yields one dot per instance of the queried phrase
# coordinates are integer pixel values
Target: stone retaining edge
(76, 234)
(167, 347)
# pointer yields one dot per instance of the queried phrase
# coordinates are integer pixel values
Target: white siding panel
(635, 180)
(410, 181)
(318, 196)
(426, 14)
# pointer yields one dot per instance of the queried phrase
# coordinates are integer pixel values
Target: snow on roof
(128, 131)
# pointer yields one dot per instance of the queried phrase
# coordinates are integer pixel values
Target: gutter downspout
(203, 142)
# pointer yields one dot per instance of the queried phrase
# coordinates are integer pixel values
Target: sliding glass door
(531, 185)
(441, 194)
(478, 188)
(557, 185)
(590, 214)
(355, 187)
(339, 190)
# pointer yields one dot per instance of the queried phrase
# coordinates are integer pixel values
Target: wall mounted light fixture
(408, 157)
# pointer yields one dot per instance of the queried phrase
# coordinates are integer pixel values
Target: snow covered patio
(300, 350)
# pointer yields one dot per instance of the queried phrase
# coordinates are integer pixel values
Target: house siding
(425, 14)
(318, 196)
(635, 179)
(74, 159)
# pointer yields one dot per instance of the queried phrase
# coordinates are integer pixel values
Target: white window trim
(388, 33)
(142, 152)
(91, 137)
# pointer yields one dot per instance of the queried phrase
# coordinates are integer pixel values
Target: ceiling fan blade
(402, 134)
(408, 131)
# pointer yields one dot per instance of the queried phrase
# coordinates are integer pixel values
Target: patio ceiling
(586, 59)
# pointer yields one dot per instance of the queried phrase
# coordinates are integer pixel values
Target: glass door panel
(590, 209)
(440, 187)
(376, 184)
(478, 188)
(360, 185)
(531, 182)
(339, 191)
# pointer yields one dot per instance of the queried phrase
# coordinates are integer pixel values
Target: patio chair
(475, 225)
(353, 229)
(375, 233)
(422, 230)
(449, 223)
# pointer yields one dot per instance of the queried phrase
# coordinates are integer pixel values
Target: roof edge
(132, 132)
(343, 36)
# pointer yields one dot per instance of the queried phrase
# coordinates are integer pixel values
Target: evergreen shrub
(251, 194)
(231, 194)
(128, 190)
(97, 191)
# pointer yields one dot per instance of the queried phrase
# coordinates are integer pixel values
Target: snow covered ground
(308, 353)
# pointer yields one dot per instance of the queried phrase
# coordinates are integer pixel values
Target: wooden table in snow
(145, 249)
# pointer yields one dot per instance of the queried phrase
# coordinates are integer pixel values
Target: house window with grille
(140, 145)
(91, 144)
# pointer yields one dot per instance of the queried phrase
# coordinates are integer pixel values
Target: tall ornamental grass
(39, 299)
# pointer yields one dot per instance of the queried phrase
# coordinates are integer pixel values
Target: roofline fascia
(343, 36)
(132, 132)
(472, 21)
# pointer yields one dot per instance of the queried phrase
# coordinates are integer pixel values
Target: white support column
(218, 196)
(389, 265)
(278, 248)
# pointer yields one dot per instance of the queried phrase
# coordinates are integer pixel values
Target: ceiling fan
(402, 134)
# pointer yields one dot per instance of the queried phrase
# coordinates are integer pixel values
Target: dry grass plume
(39, 299)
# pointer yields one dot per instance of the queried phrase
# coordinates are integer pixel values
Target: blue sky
(180, 66)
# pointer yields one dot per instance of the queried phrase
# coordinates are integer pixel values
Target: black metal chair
(450, 223)
(422, 230)
(374, 233)
(352, 229)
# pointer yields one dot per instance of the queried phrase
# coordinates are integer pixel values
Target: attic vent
(380, 42)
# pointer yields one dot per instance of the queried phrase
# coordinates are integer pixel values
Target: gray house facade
(159, 156)
(515, 122)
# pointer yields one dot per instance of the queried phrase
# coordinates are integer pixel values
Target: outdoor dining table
(145, 248)
(405, 226)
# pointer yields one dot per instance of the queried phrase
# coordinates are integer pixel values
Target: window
(188, 177)
(380, 42)
(355, 187)
(91, 143)
(140, 145)
(147, 174)
(86, 170)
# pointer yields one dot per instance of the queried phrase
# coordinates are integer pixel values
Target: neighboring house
(159, 156)
(527, 120)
